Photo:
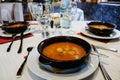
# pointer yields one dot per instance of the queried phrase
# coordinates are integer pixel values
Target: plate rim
(117, 35)
(94, 62)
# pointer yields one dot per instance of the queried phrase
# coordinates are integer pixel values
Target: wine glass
(34, 10)
(72, 12)
(44, 22)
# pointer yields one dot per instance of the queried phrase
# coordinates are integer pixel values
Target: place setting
(5, 33)
(14, 31)
(48, 68)
(101, 31)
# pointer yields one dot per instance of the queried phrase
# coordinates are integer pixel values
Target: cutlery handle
(105, 74)
(9, 47)
(105, 48)
(19, 72)
(21, 43)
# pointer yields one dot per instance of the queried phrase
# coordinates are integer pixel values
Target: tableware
(114, 35)
(65, 64)
(13, 38)
(60, 71)
(21, 42)
(101, 28)
(15, 27)
(34, 10)
(19, 72)
(106, 48)
(33, 66)
(4, 34)
(105, 74)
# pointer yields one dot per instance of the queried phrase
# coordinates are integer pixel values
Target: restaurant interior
(59, 39)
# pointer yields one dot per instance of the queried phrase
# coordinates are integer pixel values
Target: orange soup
(16, 25)
(64, 51)
(100, 26)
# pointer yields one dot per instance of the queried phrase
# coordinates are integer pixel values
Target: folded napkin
(101, 40)
(8, 39)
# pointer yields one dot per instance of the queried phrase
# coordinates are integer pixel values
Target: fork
(13, 37)
(105, 74)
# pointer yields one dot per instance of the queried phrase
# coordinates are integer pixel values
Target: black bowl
(19, 27)
(63, 64)
(101, 30)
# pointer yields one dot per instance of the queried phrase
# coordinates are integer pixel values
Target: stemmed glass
(34, 10)
(72, 10)
(44, 20)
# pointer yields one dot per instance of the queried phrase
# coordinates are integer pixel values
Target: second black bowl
(101, 28)
(16, 27)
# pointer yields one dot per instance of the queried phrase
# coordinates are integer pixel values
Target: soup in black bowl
(101, 28)
(64, 52)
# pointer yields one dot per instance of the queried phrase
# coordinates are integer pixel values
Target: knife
(21, 43)
(105, 74)
(106, 48)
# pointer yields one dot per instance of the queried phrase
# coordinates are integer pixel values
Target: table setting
(59, 46)
(11, 61)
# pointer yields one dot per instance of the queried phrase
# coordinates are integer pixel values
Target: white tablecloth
(10, 61)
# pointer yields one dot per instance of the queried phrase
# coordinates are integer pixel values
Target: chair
(11, 11)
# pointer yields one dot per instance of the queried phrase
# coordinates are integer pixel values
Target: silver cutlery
(103, 55)
(106, 48)
(21, 43)
(19, 72)
(105, 74)
(13, 38)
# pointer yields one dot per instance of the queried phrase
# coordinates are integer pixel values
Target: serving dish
(114, 35)
(64, 64)
(101, 28)
(15, 27)
(4, 34)
(38, 72)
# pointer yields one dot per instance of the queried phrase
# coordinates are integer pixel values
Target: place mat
(8, 39)
(101, 40)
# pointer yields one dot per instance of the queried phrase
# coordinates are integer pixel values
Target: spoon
(19, 72)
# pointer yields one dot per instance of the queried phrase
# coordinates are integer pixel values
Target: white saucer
(2, 34)
(114, 35)
(33, 66)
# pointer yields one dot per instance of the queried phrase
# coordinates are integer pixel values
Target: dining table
(11, 61)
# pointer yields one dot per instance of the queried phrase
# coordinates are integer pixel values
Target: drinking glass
(39, 14)
(72, 13)
(56, 30)
(34, 10)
